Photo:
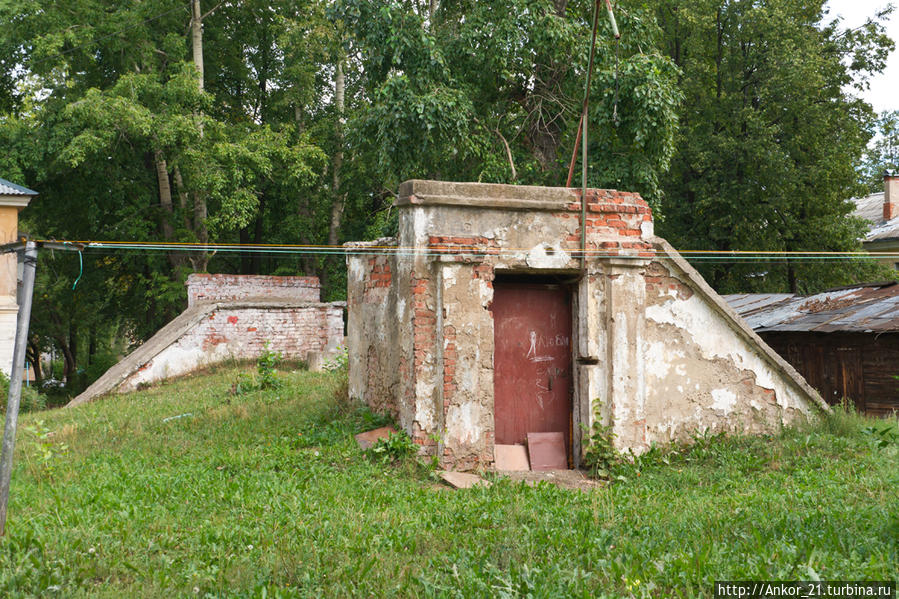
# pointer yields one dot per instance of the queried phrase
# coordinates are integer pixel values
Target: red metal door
(532, 361)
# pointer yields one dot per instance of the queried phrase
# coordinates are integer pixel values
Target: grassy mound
(189, 489)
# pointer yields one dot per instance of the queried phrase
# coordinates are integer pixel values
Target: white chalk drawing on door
(544, 383)
(533, 357)
(532, 352)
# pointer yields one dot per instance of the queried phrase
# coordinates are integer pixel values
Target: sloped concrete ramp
(209, 333)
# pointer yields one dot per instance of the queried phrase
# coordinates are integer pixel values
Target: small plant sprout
(393, 448)
(339, 361)
(265, 366)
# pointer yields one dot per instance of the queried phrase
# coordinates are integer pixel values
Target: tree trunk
(34, 356)
(165, 195)
(91, 346)
(338, 201)
(791, 278)
(182, 197)
(68, 355)
(176, 260)
(199, 260)
(196, 39)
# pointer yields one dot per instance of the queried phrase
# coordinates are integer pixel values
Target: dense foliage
(295, 122)
(770, 141)
(883, 152)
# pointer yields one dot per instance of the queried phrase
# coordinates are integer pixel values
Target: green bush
(267, 377)
(600, 456)
(265, 366)
(31, 400)
(395, 447)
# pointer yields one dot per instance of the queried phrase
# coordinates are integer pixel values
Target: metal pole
(585, 116)
(15, 380)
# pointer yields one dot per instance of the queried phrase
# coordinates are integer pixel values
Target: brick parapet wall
(203, 287)
(243, 332)
(616, 222)
(293, 331)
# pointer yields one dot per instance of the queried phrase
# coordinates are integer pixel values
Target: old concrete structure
(13, 198)
(230, 317)
(477, 323)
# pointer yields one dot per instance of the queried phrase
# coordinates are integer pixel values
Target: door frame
(568, 281)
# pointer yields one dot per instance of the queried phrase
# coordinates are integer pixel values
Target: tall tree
(491, 91)
(108, 116)
(883, 152)
(771, 136)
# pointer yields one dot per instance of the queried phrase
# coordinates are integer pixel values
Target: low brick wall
(203, 287)
(242, 331)
(230, 317)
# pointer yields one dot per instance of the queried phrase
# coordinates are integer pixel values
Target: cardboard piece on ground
(369, 438)
(547, 451)
(463, 480)
(510, 457)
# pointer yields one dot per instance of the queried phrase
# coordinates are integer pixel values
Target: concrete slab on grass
(463, 480)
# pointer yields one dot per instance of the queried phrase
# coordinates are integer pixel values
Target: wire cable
(443, 249)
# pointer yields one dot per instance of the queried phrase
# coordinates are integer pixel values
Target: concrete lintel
(487, 203)
(617, 263)
(485, 195)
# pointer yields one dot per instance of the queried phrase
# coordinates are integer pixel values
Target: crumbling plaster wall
(375, 327)
(647, 329)
(705, 369)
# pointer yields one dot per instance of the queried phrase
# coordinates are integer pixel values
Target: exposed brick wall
(242, 332)
(293, 331)
(614, 222)
(464, 246)
(661, 286)
(206, 288)
(379, 275)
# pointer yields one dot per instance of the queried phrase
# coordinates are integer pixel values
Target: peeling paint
(545, 255)
(723, 400)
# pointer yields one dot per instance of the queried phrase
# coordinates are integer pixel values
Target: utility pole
(15, 381)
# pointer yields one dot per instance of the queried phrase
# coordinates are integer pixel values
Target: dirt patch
(565, 479)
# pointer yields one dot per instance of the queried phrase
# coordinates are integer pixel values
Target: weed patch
(266, 494)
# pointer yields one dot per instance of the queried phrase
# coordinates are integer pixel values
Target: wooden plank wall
(858, 366)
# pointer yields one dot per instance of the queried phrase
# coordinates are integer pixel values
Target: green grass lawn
(265, 494)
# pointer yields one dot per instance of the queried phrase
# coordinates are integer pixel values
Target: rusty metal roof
(870, 308)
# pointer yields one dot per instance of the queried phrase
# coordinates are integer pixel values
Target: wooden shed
(844, 341)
